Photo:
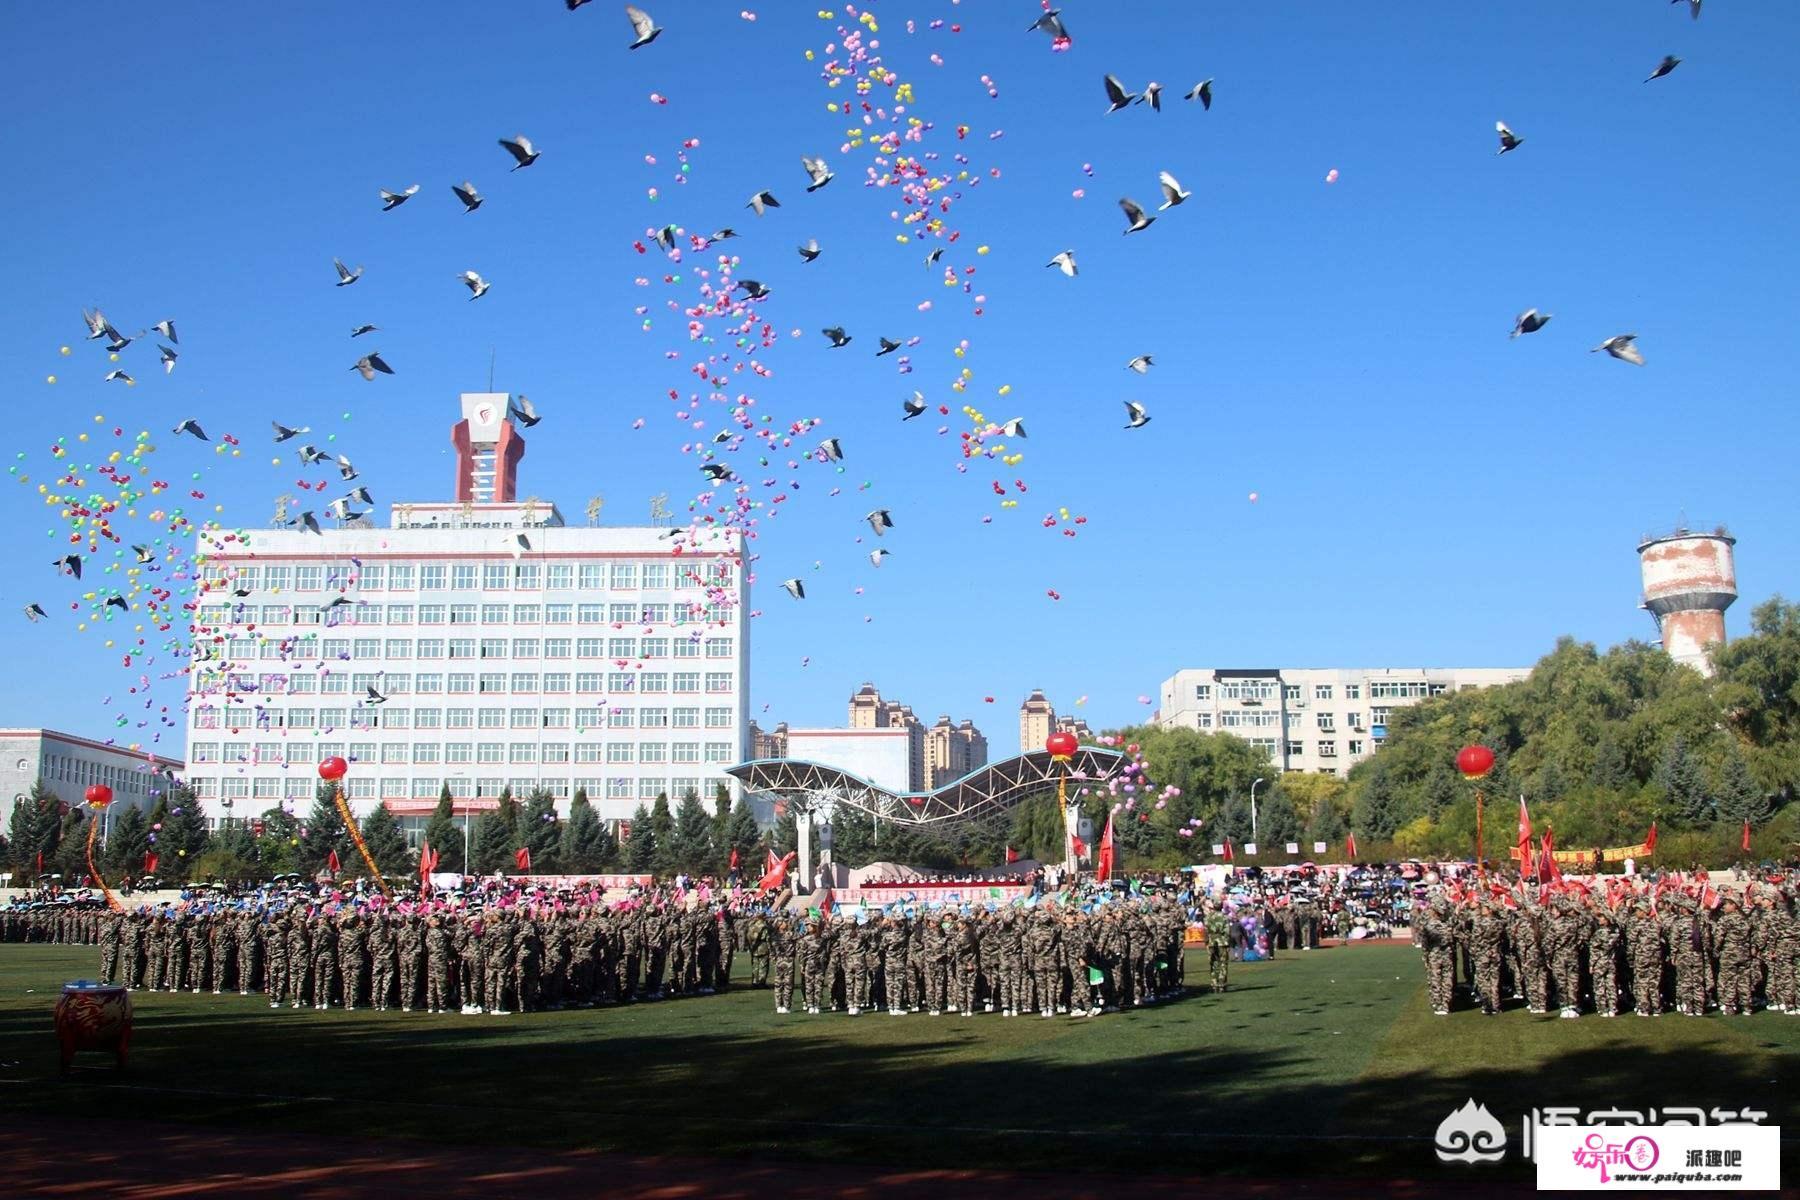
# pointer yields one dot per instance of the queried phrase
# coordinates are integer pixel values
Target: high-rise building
(869, 711)
(1690, 579)
(478, 645)
(772, 744)
(1310, 719)
(1037, 720)
(952, 750)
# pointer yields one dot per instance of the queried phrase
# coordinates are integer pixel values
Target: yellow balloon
(65, 352)
(52, 379)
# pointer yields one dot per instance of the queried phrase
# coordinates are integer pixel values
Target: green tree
(183, 836)
(539, 830)
(1378, 810)
(640, 848)
(381, 833)
(322, 834)
(1758, 687)
(36, 828)
(70, 859)
(1683, 785)
(497, 836)
(587, 848)
(126, 843)
(1740, 797)
(662, 828)
(690, 845)
(278, 849)
(744, 836)
(1277, 820)
(234, 847)
(444, 834)
(852, 837)
(720, 833)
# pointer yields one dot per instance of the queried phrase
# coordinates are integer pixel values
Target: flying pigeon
(794, 588)
(97, 324)
(809, 251)
(914, 407)
(168, 359)
(362, 329)
(716, 472)
(832, 449)
(888, 346)
(721, 437)
(1508, 139)
(1139, 418)
(934, 256)
(375, 697)
(119, 341)
(392, 200)
(346, 472)
(465, 191)
(346, 276)
(574, 4)
(1530, 321)
(1620, 347)
(1693, 7)
(143, 553)
(1141, 364)
(817, 171)
(1202, 92)
(761, 201)
(1152, 95)
(1015, 428)
(721, 234)
(69, 564)
(1669, 63)
(520, 545)
(1135, 217)
(1050, 23)
(880, 521)
(1171, 190)
(167, 329)
(118, 376)
(475, 283)
(642, 27)
(839, 339)
(1116, 95)
(752, 289)
(524, 154)
(35, 613)
(341, 510)
(368, 364)
(283, 433)
(192, 426)
(361, 493)
(665, 237)
(523, 411)
(118, 602)
(1065, 262)
(309, 456)
(310, 523)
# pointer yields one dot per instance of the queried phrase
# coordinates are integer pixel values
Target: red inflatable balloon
(1474, 761)
(99, 796)
(1061, 744)
(333, 768)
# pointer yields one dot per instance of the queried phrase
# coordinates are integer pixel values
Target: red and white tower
(1690, 579)
(488, 450)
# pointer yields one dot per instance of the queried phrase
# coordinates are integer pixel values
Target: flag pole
(1480, 862)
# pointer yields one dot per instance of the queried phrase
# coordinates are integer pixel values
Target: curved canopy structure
(983, 795)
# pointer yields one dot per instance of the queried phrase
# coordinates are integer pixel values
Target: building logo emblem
(1471, 1134)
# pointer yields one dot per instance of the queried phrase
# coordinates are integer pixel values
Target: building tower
(488, 450)
(1037, 717)
(1690, 579)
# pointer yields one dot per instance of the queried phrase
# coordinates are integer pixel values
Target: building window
(432, 577)
(556, 681)
(1437, 689)
(400, 577)
(1247, 689)
(560, 576)
(1354, 748)
(489, 752)
(462, 614)
(1266, 745)
(718, 718)
(523, 752)
(624, 576)
(619, 752)
(1296, 749)
(1395, 690)
(1203, 720)
(1353, 691)
(527, 577)
(718, 752)
(1290, 692)
(687, 718)
(1203, 691)
(493, 683)
(1327, 749)
(1326, 720)
(1354, 720)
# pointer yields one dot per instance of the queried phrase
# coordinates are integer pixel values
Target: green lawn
(1315, 1063)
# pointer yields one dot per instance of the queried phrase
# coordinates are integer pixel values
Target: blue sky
(1430, 492)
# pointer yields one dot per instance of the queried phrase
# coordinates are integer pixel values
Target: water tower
(1690, 580)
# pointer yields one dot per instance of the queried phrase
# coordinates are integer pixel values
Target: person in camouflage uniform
(965, 965)
(1043, 937)
(383, 929)
(1568, 933)
(1218, 945)
(1074, 947)
(1487, 935)
(440, 964)
(113, 927)
(132, 949)
(1644, 941)
(756, 941)
(353, 967)
(1784, 949)
(782, 945)
(299, 959)
(1688, 939)
(1526, 929)
(324, 963)
(814, 951)
(1603, 961)
(1731, 942)
(896, 976)
(274, 956)
(1437, 941)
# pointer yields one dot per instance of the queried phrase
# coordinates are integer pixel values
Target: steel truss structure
(981, 797)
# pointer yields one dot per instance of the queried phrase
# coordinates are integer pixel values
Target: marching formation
(1569, 946)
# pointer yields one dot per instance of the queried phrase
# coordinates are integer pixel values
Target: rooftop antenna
(491, 355)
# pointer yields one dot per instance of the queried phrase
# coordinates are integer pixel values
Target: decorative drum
(93, 1016)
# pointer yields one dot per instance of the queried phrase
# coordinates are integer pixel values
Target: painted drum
(93, 1016)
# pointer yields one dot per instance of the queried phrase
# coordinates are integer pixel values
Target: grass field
(1321, 1063)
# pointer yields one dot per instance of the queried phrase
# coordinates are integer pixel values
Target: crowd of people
(1669, 944)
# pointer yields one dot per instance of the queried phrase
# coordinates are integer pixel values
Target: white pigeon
(817, 171)
(1202, 92)
(119, 377)
(167, 329)
(1136, 219)
(794, 588)
(832, 449)
(914, 407)
(393, 200)
(761, 201)
(877, 554)
(475, 283)
(465, 191)
(168, 359)
(1508, 139)
(191, 426)
(1141, 364)
(346, 276)
(1620, 347)
(1014, 428)
(1139, 418)
(368, 364)
(1152, 95)
(1050, 23)
(523, 152)
(523, 411)
(1065, 262)
(1116, 95)
(880, 521)
(1171, 190)
(1530, 321)
(643, 29)
(346, 471)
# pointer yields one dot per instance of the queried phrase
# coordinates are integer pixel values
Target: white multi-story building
(480, 644)
(1323, 720)
(69, 765)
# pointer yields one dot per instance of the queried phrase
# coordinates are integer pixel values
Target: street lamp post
(1253, 788)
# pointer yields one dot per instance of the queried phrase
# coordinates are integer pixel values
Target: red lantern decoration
(333, 769)
(99, 796)
(1474, 761)
(1061, 745)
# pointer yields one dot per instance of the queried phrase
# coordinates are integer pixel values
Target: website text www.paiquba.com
(1678, 1177)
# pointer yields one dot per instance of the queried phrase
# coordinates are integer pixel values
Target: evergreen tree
(1277, 821)
(444, 833)
(691, 842)
(746, 838)
(1612, 769)
(587, 848)
(1552, 784)
(36, 829)
(1377, 812)
(183, 836)
(1441, 790)
(497, 837)
(1740, 797)
(70, 860)
(278, 849)
(539, 831)
(662, 828)
(720, 834)
(381, 833)
(1683, 785)
(234, 842)
(640, 848)
(324, 833)
(126, 843)
(852, 837)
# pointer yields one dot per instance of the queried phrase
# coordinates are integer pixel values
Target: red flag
(777, 872)
(331, 862)
(733, 865)
(425, 862)
(1229, 856)
(1103, 864)
(770, 863)
(1349, 846)
(40, 862)
(522, 858)
(1650, 841)
(1524, 837)
(1012, 856)
(149, 862)
(1745, 845)
(1547, 870)
(825, 904)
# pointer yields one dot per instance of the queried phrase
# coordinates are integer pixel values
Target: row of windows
(364, 612)
(489, 683)
(1326, 749)
(1259, 690)
(248, 649)
(64, 768)
(239, 716)
(275, 788)
(501, 575)
(298, 753)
